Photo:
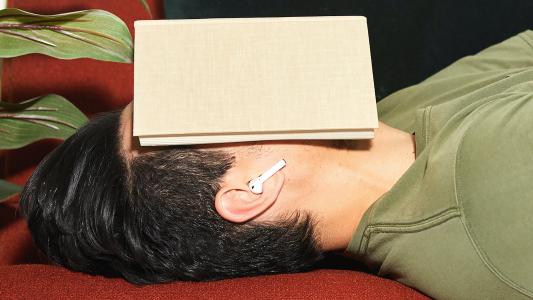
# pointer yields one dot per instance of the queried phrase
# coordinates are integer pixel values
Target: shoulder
(462, 78)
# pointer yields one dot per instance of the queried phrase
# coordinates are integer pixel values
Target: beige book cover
(246, 79)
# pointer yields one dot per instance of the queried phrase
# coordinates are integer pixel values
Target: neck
(357, 177)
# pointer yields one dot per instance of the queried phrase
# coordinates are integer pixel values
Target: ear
(236, 203)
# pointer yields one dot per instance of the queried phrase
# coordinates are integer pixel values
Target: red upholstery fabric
(100, 86)
(55, 283)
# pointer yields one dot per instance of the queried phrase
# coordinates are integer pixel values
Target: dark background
(410, 39)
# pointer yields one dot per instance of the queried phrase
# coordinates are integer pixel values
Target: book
(199, 81)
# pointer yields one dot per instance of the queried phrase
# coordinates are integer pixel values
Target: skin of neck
(334, 181)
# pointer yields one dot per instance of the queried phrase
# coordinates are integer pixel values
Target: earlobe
(236, 203)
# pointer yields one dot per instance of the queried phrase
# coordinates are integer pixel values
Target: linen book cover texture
(216, 80)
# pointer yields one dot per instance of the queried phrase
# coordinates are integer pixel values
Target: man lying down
(441, 200)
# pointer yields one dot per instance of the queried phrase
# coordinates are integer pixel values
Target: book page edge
(216, 139)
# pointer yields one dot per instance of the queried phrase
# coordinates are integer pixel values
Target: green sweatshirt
(458, 224)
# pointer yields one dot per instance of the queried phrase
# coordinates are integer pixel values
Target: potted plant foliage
(95, 34)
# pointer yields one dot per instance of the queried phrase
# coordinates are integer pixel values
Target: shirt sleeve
(461, 78)
(513, 53)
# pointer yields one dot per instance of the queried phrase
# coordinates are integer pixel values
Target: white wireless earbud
(256, 184)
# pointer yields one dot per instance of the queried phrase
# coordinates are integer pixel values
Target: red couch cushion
(55, 283)
(100, 86)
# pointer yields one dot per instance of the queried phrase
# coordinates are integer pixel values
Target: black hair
(151, 218)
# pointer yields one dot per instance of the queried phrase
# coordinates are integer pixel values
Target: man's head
(102, 205)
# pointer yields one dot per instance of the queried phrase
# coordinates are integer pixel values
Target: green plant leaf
(8, 189)
(146, 7)
(50, 116)
(90, 33)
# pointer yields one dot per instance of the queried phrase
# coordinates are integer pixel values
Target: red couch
(99, 86)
